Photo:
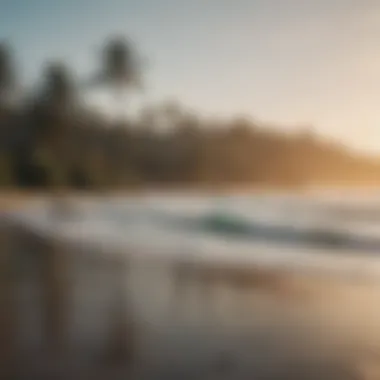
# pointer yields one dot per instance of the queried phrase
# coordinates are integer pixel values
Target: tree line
(50, 138)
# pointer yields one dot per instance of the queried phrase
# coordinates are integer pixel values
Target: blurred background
(188, 94)
(181, 179)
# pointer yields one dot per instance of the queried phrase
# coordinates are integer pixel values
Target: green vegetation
(50, 138)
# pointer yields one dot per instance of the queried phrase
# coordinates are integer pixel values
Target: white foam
(95, 223)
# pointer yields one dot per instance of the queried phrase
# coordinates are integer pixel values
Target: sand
(264, 325)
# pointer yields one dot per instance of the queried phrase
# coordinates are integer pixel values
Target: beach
(198, 320)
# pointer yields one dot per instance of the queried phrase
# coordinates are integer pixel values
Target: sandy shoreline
(13, 197)
(333, 326)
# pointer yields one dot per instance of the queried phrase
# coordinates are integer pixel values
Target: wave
(232, 226)
(278, 221)
(320, 224)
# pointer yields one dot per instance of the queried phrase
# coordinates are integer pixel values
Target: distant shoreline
(12, 199)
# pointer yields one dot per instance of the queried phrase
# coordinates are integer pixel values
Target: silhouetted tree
(50, 139)
(54, 115)
(7, 74)
(120, 68)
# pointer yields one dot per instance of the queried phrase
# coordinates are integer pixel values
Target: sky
(291, 63)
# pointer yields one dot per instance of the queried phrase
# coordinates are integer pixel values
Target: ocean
(301, 328)
(332, 230)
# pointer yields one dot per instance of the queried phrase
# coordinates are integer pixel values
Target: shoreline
(14, 197)
(272, 298)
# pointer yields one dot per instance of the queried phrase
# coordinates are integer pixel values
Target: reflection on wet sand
(192, 321)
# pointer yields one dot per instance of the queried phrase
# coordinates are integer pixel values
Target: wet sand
(272, 326)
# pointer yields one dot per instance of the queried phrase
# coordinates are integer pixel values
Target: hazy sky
(293, 62)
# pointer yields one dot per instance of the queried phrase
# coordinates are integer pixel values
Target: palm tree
(7, 75)
(119, 71)
(53, 114)
(120, 68)
(58, 91)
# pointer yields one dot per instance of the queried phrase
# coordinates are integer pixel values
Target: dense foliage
(50, 138)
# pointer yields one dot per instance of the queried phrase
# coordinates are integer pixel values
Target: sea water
(333, 230)
(328, 233)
